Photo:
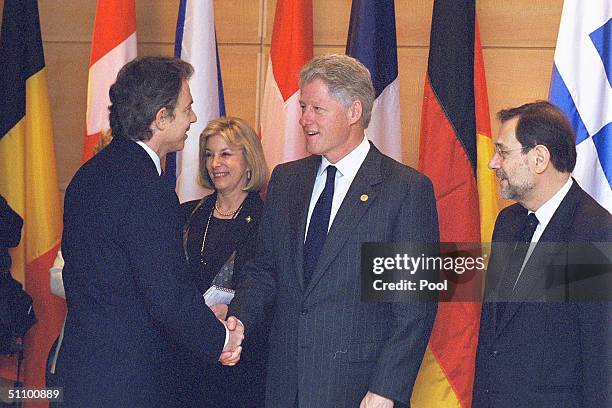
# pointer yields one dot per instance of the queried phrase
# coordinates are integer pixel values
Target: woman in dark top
(219, 237)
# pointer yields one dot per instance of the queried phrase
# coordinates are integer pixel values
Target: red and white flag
(112, 46)
(281, 134)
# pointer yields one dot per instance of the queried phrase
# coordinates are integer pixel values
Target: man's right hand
(231, 353)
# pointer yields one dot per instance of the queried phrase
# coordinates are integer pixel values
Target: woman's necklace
(229, 214)
(204, 238)
(233, 214)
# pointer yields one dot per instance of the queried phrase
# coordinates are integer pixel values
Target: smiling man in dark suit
(545, 338)
(328, 348)
(130, 299)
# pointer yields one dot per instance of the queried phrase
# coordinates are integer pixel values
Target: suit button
(494, 353)
(486, 391)
(304, 312)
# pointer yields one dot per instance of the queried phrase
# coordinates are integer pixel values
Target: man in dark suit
(129, 296)
(328, 348)
(545, 337)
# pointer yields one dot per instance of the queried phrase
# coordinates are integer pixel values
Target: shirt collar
(349, 165)
(548, 209)
(153, 155)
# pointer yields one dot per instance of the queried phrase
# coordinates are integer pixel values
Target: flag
(196, 43)
(581, 87)
(28, 176)
(291, 48)
(487, 191)
(455, 147)
(112, 46)
(372, 40)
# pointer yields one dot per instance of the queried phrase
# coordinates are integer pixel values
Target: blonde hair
(237, 133)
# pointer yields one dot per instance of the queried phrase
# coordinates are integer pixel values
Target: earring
(248, 174)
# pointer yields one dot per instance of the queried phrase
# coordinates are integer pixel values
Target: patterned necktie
(511, 275)
(317, 228)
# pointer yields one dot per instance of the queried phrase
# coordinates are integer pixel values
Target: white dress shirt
(153, 155)
(347, 167)
(544, 214)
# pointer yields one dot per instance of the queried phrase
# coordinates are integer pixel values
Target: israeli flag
(581, 87)
(196, 43)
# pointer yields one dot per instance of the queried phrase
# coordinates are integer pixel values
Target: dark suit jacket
(327, 347)
(548, 349)
(10, 233)
(128, 292)
(245, 231)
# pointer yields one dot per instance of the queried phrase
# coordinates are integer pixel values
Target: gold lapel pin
(248, 219)
(364, 197)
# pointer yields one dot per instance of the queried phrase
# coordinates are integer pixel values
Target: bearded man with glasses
(546, 326)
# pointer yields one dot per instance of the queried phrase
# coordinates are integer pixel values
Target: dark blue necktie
(317, 228)
(511, 275)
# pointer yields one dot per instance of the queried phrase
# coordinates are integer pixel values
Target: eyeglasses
(504, 153)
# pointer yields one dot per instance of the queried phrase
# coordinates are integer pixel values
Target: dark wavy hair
(542, 123)
(143, 87)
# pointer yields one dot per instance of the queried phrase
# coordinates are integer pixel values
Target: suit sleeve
(410, 324)
(256, 290)
(247, 241)
(10, 225)
(154, 245)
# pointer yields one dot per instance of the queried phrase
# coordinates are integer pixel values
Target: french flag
(281, 134)
(372, 40)
(196, 43)
(580, 87)
(112, 46)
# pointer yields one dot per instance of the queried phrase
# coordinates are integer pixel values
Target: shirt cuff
(227, 334)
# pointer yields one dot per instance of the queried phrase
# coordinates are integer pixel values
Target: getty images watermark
(423, 272)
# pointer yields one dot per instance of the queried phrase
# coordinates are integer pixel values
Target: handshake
(231, 353)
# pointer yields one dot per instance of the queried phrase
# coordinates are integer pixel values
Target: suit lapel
(350, 213)
(532, 276)
(303, 183)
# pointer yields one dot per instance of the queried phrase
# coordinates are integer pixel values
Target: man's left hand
(372, 400)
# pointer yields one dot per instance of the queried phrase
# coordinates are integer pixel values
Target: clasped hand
(231, 353)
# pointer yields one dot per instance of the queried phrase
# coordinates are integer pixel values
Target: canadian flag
(112, 46)
(291, 48)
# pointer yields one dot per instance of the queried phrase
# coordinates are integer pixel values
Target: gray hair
(346, 78)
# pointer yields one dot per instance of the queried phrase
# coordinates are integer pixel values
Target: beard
(514, 190)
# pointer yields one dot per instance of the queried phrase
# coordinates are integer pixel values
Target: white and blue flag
(196, 43)
(372, 40)
(581, 87)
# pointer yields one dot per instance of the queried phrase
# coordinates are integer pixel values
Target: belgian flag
(28, 176)
(455, 147)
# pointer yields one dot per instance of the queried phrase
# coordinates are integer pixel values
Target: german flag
(455, 147)
(28, 176)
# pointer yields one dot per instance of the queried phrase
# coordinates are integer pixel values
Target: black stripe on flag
(21, 56)
(451, 68)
